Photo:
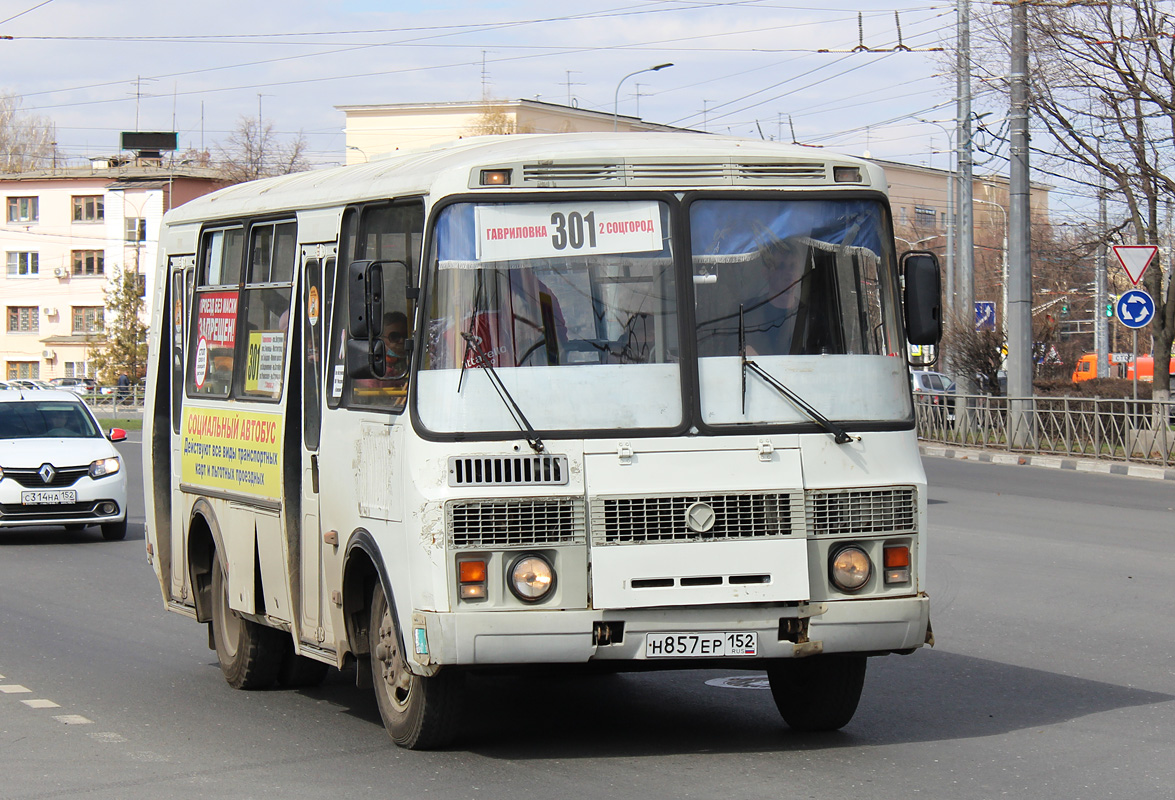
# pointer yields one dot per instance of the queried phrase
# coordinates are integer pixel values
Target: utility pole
(1019, 329)
(1100, 320)
(963, 312)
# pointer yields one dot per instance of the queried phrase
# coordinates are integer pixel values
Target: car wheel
(113, 531)
(419, 713)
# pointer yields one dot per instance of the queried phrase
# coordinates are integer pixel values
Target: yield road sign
(1135, 258)
(1135, 308)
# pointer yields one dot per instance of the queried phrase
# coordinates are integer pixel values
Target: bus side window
(389, 234)
(267, 296)
(212, 346)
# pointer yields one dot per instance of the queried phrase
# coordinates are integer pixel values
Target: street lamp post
(616, 96)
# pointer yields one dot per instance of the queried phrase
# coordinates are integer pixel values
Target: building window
(89, 319)
(22, 319)
(22, 209)
(30, 370)
(23, 265)
(75, 369)
(925, 217)
(88, 262)
(88, 209)
(136, 229)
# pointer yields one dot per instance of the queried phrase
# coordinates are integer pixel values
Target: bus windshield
(782, 280)
(573, 304)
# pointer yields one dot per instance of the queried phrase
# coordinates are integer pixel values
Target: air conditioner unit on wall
(58, 272)
(48, 355)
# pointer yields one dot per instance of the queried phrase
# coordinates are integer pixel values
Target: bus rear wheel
(419, 713)
(818, 693)
(250, 655)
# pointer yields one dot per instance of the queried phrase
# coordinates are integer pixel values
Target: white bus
(632, 401)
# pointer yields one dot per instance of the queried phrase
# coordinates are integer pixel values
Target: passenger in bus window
(395, 333)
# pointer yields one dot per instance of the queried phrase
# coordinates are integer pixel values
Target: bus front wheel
(419, 713)
(818, 693)
(250, 655)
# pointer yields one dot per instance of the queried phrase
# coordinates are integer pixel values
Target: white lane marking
(741, 682)
(73, 719)
(13, 688)
(107, 736)
(41, 703)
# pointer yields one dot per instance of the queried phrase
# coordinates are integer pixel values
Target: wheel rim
(397, 680)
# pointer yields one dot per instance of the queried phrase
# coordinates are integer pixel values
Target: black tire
(250, 655)
(818, 693)
(114, 531)
(418, 713)
(300, 672)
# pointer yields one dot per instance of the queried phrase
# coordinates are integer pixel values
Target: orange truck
(1120, 366)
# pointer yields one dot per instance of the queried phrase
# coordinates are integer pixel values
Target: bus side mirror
(923, 297)
(367, 353)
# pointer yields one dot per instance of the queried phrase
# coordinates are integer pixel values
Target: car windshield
(45, 419)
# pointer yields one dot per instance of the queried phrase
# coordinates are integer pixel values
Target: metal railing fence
(1140, 431)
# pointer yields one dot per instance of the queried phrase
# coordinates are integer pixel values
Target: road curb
(1053, 462)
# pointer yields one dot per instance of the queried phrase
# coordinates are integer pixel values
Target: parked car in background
(28, 383)
(937, 388)
(57, 467)
(81, 386)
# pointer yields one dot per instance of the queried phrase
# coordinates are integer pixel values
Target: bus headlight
(850, 568)
(531, 577)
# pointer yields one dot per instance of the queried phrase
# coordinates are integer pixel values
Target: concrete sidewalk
(1150, 471)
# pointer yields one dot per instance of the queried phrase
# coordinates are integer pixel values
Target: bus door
(179, 296)
(318, 268)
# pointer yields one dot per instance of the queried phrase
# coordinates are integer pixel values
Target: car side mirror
(117, 435)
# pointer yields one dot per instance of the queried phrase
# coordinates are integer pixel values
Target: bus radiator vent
(536, 470)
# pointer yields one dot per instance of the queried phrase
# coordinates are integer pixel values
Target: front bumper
(568, 637)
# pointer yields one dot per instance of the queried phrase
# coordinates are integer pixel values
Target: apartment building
(64, 234)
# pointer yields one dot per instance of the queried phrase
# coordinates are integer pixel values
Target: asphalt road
(1053, 677)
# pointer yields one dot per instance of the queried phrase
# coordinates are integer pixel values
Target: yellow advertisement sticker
(236, 451)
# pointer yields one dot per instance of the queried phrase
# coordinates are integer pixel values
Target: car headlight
(531, 577)
(850, 568)
(105, 466)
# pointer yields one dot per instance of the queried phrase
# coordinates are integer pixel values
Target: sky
(749, 68)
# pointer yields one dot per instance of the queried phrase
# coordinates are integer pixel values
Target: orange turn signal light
(472, 571)
(897, 557)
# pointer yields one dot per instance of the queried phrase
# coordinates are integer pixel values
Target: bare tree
(254, 151)
(1103, 87)
(26, 140)
(495, 121)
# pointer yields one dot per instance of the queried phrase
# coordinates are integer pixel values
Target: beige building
(375, 129)
(64, 234)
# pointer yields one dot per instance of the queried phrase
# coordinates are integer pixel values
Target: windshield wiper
(839, 435)
(483, 359)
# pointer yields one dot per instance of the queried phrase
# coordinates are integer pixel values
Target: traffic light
(1064, 309)
(1110, 305)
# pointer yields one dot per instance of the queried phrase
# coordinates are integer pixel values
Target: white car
(57, 467)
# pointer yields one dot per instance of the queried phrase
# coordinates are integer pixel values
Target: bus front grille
(890, 509)
(520, 522)
(695, 518)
